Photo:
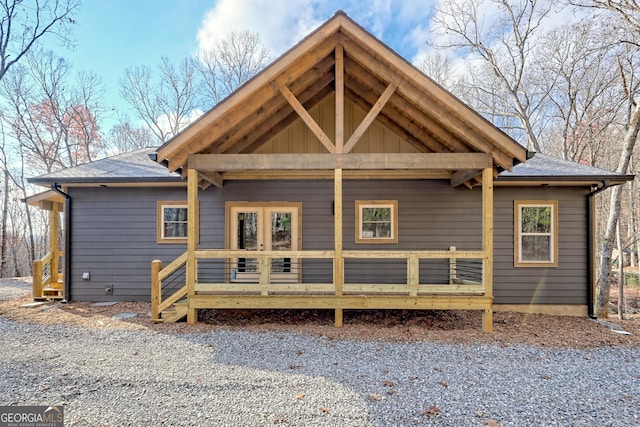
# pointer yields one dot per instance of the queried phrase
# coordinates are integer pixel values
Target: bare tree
(125, 136)
(585, 99)
(442, 69)
(230, 63)
(24, 22)
(505, 45)
(628, 13)
(167, 102)
(51, 118)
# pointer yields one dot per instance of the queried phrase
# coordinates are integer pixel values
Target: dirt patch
(455, 327)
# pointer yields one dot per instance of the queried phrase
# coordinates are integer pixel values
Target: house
(340, 177)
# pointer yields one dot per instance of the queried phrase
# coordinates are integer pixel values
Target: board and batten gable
(298, 138)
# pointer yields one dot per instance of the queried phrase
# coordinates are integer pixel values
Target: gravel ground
(115, 377)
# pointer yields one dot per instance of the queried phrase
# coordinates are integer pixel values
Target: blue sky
(116, 34)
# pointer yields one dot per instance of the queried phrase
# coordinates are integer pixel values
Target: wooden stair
(53, 291)
(174, 313)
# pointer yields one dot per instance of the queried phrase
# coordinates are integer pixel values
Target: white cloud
(283, 23)
(280, 23)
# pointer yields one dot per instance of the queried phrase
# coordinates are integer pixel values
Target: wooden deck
(458, 293)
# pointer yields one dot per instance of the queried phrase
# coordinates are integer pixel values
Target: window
(536, 234)
(376, 221)
(172, 222)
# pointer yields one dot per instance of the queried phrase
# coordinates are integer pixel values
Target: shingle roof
(134, 166)
(542, 166)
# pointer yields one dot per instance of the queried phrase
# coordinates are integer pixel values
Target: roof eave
(46, 181)
(563, 179)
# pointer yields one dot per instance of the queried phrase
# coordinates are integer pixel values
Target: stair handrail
(41, 274)
(158, 274)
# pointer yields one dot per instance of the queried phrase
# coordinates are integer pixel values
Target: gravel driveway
(142, 378)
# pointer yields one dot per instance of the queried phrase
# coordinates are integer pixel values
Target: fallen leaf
(299, 396)
(479, 414)
(374, 397)
(431, 411)
(300, 352)
(492, 423)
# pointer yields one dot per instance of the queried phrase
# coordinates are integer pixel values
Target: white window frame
(362, 204)
(518, 233)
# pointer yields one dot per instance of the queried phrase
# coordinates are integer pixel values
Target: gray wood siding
(114, 237)
(114, 234)
(565, 284)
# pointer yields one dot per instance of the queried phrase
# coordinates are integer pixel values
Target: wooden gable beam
(306, 118)
(251, 97)
(441, 139)
(370, 117)
(436, 107)
(275, 109)
(214, 178)
(355, 161)
(462, 176)
(419, 144)
(259, 136)
(365, 43)
(339, 101)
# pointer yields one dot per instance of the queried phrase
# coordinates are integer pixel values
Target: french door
(267, 227)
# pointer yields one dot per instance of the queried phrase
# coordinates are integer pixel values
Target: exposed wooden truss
(341, 58)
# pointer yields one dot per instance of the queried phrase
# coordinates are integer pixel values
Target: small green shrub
(631, 279)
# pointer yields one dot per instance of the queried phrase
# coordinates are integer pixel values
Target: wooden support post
(156, 288)
(413, 275)
(265, 275)
(54, 225)
(487, 245)
(192, 239)
(37, 279)
(453, 273)
(338, 261)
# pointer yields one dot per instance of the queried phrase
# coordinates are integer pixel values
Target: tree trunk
(614, 213)
(620, 273)
(5, 208)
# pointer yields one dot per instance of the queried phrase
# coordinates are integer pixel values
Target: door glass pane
(247, 239)
(281, 240)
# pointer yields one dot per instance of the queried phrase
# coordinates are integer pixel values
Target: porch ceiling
(341, 57)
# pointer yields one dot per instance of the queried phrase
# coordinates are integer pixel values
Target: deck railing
(309, 273)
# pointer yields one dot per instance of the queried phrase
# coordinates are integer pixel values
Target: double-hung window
(536, 233)
(172, 222)
(376, 221)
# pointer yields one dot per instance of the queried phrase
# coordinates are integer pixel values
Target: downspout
(67, 240)
(590, 253)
